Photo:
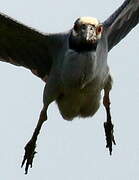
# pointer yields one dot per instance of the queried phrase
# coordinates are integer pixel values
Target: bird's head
(85, 34)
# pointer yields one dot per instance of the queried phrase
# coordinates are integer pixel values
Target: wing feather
(23, 46)
(121, 22)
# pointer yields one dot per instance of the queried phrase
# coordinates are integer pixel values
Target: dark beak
(88, 33)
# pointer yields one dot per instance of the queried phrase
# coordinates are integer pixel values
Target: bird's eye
(76, 27)
(83, 26)
(99, 29)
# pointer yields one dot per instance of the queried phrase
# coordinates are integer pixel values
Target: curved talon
(29, 155)
(108, 126)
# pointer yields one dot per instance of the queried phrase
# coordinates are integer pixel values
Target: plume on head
(89, 20)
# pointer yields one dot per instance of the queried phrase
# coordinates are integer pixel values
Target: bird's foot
(108, 126)
(29, 155)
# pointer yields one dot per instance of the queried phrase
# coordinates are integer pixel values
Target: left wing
(121, 22)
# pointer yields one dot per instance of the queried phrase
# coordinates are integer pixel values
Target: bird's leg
(108, 126)
(31, 145)
(51, 92)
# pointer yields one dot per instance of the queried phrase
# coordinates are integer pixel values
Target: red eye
(99, 29)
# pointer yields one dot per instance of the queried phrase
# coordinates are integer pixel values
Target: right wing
(23, 46)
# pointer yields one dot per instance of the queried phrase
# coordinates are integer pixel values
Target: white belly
(80, 102)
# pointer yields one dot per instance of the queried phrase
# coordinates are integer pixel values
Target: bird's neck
(81, 46)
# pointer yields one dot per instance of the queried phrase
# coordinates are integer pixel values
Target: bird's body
(82, 102)
(80, 81)
(72, 64)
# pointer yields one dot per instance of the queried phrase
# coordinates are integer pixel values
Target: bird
(73, 65)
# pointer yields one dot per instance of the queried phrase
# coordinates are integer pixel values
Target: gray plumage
(73, 64)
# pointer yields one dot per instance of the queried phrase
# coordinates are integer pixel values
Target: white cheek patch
(99, 36)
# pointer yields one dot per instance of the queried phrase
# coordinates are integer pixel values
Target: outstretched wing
(23, 46)
(121, 22)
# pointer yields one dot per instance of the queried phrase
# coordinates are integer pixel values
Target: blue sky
(69, 150)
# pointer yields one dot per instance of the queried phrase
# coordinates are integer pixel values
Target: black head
(85, 34)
